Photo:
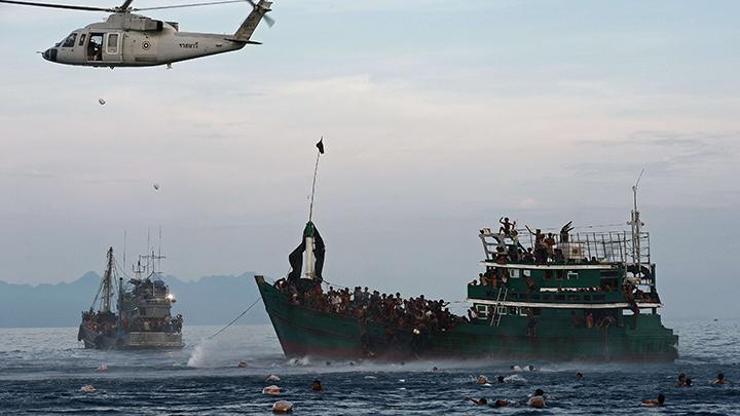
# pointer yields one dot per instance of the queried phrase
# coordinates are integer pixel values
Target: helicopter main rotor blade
(177, 6)
(60, 6)
(125, 4)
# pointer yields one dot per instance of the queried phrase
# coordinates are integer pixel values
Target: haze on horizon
(439, 117)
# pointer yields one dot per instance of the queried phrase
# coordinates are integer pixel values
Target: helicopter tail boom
(245, 31)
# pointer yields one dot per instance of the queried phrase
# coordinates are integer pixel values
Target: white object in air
(156, 186)
(101, 101)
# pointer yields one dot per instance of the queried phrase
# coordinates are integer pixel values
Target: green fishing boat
(560, 295)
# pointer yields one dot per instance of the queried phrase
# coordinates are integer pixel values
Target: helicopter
(126, 39)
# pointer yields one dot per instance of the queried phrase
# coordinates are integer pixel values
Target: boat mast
(108, 283)
(636, 223)
(308, 233)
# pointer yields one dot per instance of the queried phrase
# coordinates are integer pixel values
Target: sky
(439, 117)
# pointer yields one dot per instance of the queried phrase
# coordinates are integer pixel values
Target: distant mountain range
(211, 300)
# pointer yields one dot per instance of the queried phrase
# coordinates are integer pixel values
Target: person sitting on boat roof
(528, 256)
(506, 226)
(540, 251)
(549, 243)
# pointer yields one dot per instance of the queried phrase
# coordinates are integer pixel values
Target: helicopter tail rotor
(264, 5)
(259, 11)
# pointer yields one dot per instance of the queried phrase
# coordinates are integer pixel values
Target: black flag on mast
(320, 146)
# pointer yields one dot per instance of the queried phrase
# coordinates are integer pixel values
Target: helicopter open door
(112, 47)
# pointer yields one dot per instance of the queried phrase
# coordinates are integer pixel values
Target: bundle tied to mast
(319, 251)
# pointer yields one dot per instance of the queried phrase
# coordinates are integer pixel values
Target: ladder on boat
(500, 297)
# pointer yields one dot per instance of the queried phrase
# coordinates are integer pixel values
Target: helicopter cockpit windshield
(69, 42)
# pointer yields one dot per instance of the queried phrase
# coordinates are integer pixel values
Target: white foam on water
(515, 378)
(299, 362)
(199, 357)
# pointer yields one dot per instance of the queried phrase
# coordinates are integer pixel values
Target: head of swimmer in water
(316, 385)
(661, 399)
(539, 392)
(721, 377)
(500, 379)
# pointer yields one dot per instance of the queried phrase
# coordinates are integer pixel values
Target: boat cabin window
(572, 275)
(514, 273)
(482, 311)
(527, 273)
(112, 46)
(82, 39)
(95, 47)
(70, 41)
(502, 310)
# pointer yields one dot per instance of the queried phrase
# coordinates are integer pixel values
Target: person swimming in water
(316, 385)
(501, 403)
(500, 379)
(579, 376)
(681, 380)
(482, 379)
(537, 400)
(480, 402)
(720, 379)
(659, 402)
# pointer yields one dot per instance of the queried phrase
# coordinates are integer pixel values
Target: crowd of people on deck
(417, 315)
(107, 323)
(546, 247)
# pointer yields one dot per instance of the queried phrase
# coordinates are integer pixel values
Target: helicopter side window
(70, 41)
(82, 39)
(112, 44)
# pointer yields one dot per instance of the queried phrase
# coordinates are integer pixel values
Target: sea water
(42, 371)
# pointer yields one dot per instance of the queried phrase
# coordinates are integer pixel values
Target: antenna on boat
(159, 250)
(635, 222)
(124, 250)
(148, 246)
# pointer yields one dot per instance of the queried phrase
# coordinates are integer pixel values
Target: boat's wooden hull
(303, 331)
